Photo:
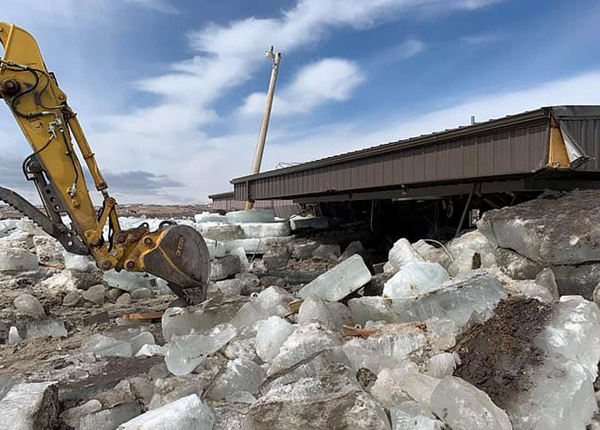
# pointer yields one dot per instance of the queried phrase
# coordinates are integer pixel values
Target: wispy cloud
(327, 80)
(484, 39)
(163, 6)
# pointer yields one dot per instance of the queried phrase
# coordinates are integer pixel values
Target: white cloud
(330, 79)
(163, 6)
(483, 39)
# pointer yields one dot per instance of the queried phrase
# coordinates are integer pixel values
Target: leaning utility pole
(260, 147)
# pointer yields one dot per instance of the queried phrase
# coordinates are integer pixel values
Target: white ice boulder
(403, 253)
(271, 334)
(17, 260)
(415, 279)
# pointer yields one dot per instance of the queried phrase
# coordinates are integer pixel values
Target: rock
(30, 406)
(72, 298)
(596, 295)
(29, 305)
(123, 300)
(270, 335)
(470, 251)
(109, 419)
(272, 281)
(409, 415)
(415, 279)
(72, 416)
(270, 229)
(112, 294)
(330, 401)
(402, 253)
(552, 231)
(241, 375)
(464, 407)
(329, 252)
(304, 250)
(13, 260)
(276, 257)
(222, 268)
(355, 247)
(515, 265)
(49, 250)
(340, 281)
(95, 294)
(141, 294)
(222, 233)
(377, 283)
(187, 413)
(253, 216)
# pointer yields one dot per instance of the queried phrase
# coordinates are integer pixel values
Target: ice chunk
(187, 413)
(241, 254)
(573, 332)
(271, 334)
(127, 281)
(432, 254)
(72, 416)
(144, 338)
(240, 375)
(46, 328)
(355, 247)
(559, 396)
(596, 296)
(334, 314)
(404, 382)
(82, 263)
(414, 279)
(252, 216)
(185, 353)
(465, 407)
(403, 253)
(546, 278)
(182, 321)
(29, 305)
(442, 333)
(223, 233)
(475, 294)
(410, 416)
(49, 250)
(531, 289)
(17, 260)
(373, 308)
(331, 252)
(241, 397)
(30, 406)
(361, 357)
(209, 217)
(104, 346)
(222, 268)
(306, 223)
(13, 336)
(441, 365)
(304, 344)
(150, 350)
(399, 340)
(337, 283)
(109, 419)
(270, 229)
(216, 249)
(272, 301)
(471, 251)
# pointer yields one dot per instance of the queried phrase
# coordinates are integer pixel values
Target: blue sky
(171, 92)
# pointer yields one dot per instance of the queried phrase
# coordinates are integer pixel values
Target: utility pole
(260, 147)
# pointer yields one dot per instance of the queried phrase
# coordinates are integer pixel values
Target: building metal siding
(509, 147)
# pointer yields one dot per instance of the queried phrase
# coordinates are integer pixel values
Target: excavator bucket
(180, 256)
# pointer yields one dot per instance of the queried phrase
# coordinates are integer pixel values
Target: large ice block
(241, 375)
(464, 250)
(253, 216)
(465, 407)
(271, 334)
(337, 283)
(272, 301)
(409, 415)
(415, 279)
(475, 294)
(404, 382)
(270, 229)
(17, 260)
(30, 407)
(187, 413)
(210, 217)
(403, 253)
(334, 314)
(127, 281)
(372, 308)
(46, 328)
(185, 353)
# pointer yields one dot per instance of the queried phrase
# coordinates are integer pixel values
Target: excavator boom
(176, 253)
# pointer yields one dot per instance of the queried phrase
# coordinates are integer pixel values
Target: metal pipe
(260, 147)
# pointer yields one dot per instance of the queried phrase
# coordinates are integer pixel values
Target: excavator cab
(176, 253)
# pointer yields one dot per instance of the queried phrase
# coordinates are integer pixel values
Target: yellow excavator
(175, 253)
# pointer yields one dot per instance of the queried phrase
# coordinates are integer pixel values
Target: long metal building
(552, 147)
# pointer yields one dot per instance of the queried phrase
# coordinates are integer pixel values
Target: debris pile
(300, 332)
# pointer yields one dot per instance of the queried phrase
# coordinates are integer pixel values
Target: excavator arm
(176, 253)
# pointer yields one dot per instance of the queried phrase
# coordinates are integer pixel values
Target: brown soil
(497, 354)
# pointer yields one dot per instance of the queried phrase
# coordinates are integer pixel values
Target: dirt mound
(497, 354)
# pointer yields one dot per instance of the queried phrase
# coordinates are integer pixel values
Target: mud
(496, 355)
